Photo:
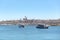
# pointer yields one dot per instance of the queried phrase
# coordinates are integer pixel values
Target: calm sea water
(13, 32)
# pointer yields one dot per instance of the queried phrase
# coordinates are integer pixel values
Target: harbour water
(13, 32)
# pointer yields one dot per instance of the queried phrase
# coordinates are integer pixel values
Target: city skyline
(33, 9)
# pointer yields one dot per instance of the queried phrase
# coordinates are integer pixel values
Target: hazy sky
(34, 9)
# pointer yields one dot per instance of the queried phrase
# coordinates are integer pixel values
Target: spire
(25, 18)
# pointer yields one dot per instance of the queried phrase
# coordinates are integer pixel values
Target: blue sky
(33, 9)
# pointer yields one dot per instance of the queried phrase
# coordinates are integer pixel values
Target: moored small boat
(42, 26)
(21, 26)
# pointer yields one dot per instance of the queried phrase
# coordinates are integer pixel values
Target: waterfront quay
(26, 21)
